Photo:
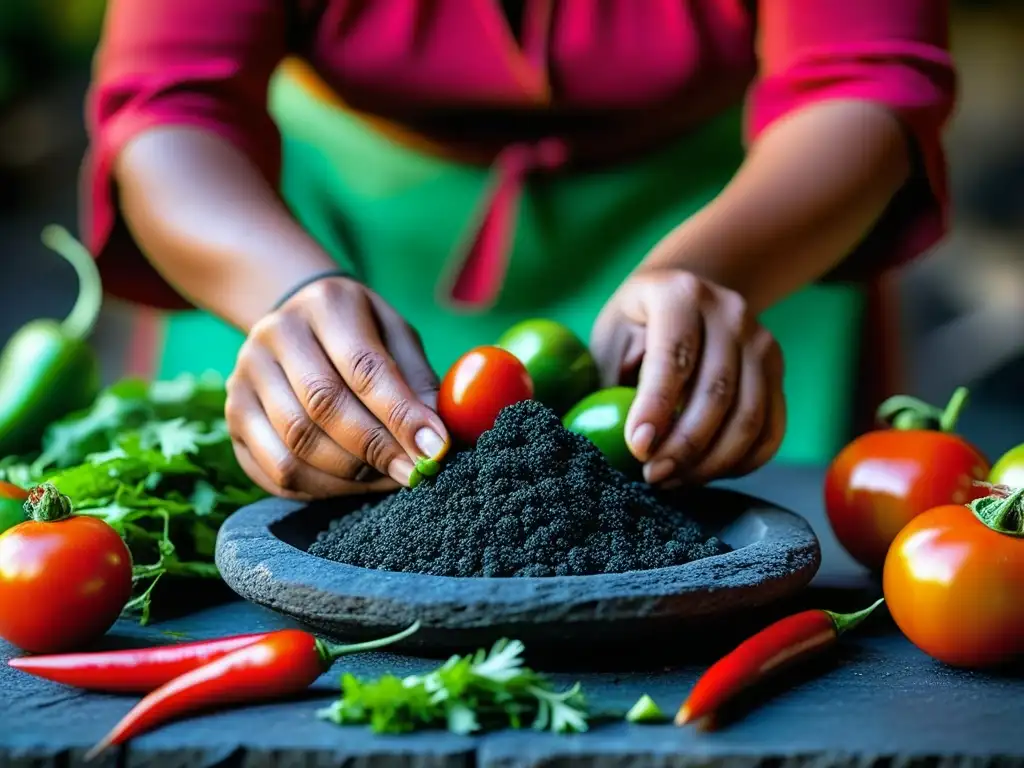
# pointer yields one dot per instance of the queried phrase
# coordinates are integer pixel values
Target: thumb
(617, 346)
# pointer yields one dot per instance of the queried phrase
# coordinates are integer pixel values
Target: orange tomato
(952, 585)
(63, 582)
(477, 387)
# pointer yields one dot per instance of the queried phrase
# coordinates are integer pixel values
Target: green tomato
(1009, 470)
(12, 512)
(601, 417)
(560, 365)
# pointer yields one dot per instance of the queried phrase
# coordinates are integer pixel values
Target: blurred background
(963, 305)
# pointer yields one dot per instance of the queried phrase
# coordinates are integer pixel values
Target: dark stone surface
(261, 553)
(880, 702)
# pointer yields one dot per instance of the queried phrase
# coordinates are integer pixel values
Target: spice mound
(532, 499)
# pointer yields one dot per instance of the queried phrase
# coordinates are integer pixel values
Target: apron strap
(481, 260)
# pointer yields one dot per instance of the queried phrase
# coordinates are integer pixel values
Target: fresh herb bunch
(154, 460)
(481, 691)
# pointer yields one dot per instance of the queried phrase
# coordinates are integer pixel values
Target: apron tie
(481, 261)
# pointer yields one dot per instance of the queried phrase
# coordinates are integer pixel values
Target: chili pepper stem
(82, 319)
(329, 652)
(844, 622)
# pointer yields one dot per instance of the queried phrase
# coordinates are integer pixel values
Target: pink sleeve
(895, 54)
(198, 63)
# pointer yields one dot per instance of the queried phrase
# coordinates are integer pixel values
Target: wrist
(304, 283)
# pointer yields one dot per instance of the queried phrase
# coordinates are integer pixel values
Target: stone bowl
(261, 553)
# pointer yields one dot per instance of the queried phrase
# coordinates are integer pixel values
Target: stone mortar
(261, 555)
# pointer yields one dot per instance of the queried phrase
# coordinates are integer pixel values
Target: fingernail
(659, 470)
(400, 470)
(642, 440)
(430, 443)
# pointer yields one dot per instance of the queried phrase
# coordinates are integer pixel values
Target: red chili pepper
(777, 647)
(280, 664)
(136, 670)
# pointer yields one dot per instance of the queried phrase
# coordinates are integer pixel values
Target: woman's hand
(332, 395)
(709, 400)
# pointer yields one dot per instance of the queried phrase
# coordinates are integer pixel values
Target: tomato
(64, 578)
(12, 505)
(477, 387)
(559, 363)
(1009, 470)
(601, 417)
(952, 585)
(884, 479)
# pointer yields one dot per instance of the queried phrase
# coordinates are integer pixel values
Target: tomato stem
(1002, 510)
(844, 622)
(45, 504)
(330, 652)
(955, 406)
(903, 412)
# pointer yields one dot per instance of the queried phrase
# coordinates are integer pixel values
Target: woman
(455, 165)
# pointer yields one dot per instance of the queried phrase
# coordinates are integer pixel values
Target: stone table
(881, 701)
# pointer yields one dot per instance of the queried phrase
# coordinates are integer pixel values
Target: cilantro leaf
(466, 694)
(155, 461)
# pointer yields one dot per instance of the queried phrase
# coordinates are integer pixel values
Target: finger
(704, 415)
(407, 350)
(673, 343)
(274, 467)
(352, 341)
(300, 434)
(774, 431)
(610, 340)
(745, 424)
(331, 405)
(258, 476)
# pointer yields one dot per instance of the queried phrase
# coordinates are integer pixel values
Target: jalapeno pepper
(47, 368)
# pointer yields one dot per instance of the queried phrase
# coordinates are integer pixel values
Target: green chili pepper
(47, 368)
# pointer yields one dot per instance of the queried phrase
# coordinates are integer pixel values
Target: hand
(709, 400)
(331, 395)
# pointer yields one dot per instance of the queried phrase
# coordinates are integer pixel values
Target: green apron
(392, 215)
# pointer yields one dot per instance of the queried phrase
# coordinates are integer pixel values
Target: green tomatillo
(559, 363)
(601, 417)
(1009, 469)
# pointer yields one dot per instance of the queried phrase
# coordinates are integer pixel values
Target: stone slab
(881, 702)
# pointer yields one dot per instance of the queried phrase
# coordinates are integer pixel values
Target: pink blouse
(639, 72)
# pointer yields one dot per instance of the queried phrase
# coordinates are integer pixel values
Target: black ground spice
(532, 499)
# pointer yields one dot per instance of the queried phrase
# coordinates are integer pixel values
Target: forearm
(211, 224)
(809, 191)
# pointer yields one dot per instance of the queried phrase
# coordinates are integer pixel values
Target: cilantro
(154, 460)
(467, 694)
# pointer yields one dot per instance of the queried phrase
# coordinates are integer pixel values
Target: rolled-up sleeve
(197, 63)
(895, 54)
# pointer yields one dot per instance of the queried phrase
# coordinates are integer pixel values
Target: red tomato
(952, 585)
(477, 387)
(63, 582)
(884, 479)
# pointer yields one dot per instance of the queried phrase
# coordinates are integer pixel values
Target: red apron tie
(481, 261)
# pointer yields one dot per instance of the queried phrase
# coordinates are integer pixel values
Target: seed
(532, 499)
